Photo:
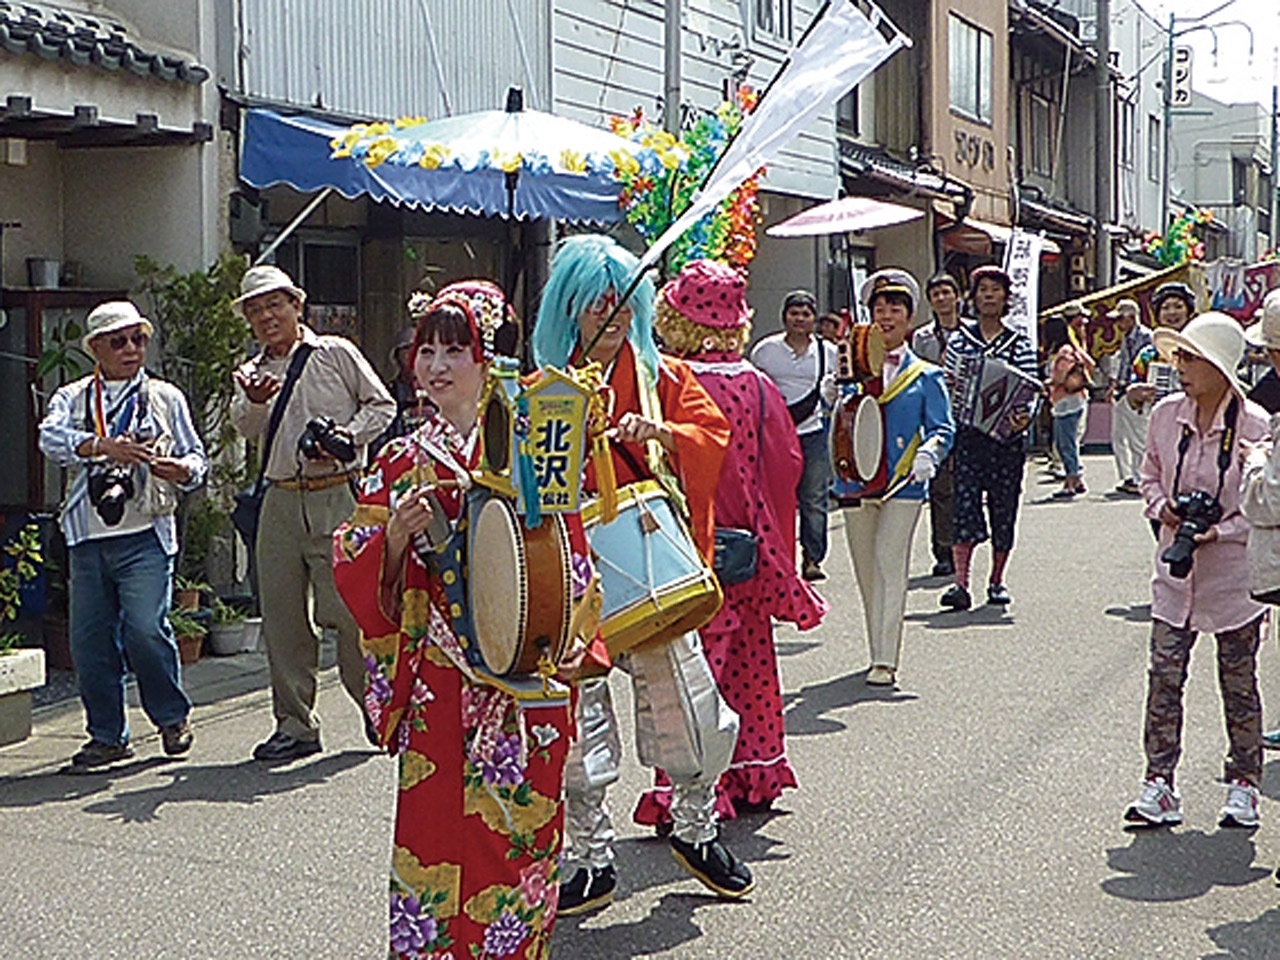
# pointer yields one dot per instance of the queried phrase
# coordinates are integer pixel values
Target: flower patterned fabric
(479, 815)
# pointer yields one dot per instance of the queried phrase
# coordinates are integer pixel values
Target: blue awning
(295, 150)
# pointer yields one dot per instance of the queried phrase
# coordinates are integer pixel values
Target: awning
(846, 215)
(977, 237)
(295, 150)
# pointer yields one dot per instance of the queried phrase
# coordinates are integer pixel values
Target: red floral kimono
(479, 817)
(756, 491)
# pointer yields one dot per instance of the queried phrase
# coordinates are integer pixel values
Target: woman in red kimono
(480, 815)
(703, 317)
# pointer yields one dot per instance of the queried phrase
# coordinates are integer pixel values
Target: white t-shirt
(795, 374)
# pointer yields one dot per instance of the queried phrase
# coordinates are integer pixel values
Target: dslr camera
(110, 487)
(1199, 511)
(323, 437)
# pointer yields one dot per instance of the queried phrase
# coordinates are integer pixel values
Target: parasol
(846, 215)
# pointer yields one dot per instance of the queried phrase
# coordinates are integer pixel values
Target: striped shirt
(1009, 345)
(66, 426)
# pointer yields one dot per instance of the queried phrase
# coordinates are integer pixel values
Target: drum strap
(654, 454)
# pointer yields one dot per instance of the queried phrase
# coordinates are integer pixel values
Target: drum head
(868, 439)
(875, 349)
(498, 599)
(497, 433)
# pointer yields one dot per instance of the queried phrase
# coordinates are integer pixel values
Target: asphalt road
(973, 813)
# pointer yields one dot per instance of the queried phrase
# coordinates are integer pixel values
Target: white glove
(925, 467)
(829, 390)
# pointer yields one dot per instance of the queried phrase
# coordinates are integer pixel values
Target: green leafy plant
(225, 613)
(186, 625)
(188, 583)
(25, 552)
(62, 355)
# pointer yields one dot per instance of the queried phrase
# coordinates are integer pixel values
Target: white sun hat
(1266, 333)
(1213, 336)
(265, 279)
(112, 316)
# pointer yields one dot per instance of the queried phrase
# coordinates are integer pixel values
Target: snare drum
(520, 588)
(860, 353)
(656, 583)
(858, 444)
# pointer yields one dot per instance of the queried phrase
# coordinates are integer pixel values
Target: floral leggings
(984, 465)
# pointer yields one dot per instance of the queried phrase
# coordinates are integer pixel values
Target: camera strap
(99, 421)
(277, 409)
(1224, 446)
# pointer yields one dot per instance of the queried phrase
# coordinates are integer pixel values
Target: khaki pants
(295, 581)
(880, 536)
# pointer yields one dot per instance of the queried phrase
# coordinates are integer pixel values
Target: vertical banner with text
(1022, 264)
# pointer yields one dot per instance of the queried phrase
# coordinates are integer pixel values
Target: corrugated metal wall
(371, 57)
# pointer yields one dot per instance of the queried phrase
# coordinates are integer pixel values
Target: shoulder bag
(803, 408)
(737, 555)
(248, 502)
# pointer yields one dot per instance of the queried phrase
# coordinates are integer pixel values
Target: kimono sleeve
(702, 439)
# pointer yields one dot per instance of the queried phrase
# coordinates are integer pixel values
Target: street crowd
(367, 518)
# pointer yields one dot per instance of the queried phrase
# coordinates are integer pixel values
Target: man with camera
(1191, 484)
(317, 403)
(127, 439)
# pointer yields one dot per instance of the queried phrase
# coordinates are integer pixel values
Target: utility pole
(671, 86)
(1275, 155)
(1164, 129)
(1104, 153)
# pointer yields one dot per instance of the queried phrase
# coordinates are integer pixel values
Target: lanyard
(1224, 446)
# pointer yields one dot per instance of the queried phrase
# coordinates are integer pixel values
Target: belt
(314, 483)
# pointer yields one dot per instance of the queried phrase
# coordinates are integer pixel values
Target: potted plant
(227, 633)
(186, 593)
(21, 669)
(190, 632)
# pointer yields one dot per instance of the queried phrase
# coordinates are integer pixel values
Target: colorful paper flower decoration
(1180, 244)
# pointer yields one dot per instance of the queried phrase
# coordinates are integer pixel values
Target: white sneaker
(1241, 808)
(1158, 805)
(879, 676)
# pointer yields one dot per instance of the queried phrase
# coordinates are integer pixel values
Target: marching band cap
(1173, 289)
(1125, 308)
(1267, 333)
(990, 272)
(890, 280)
(710, 294)
(264, 279)
(112, 316)
(1211, 336)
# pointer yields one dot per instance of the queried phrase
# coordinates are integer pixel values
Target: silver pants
(683, 726)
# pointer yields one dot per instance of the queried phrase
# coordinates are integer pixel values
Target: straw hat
(112, 316)
(1213, 336)
(265, 279)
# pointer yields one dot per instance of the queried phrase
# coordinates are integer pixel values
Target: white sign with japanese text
(1022, 264)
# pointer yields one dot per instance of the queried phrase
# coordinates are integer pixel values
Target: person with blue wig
(665, 427)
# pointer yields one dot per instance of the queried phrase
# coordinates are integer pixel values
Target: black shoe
(998, 595)
(812, 570)
(590, 888)
(95, 755)
(177, 738)
(715, 866)
(944, 568)
(956, 597)
(281, 746)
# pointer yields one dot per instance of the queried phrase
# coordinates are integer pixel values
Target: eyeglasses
(1185, 356)
(138, 339)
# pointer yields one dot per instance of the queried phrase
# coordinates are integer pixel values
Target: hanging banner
(1022, 264)
(1238, 289)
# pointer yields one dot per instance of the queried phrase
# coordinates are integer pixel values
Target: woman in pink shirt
(1191, 484)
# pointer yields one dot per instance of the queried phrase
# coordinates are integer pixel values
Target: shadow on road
(985, 615)
(793, 648)
(644, 863)
(246, 782)
(1247, 939)
(804, 709)
(1270, 777)
(1134, 613)
(1166, 866)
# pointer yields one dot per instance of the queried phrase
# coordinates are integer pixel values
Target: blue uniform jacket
(924, 409)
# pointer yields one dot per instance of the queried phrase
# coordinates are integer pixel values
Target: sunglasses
(118, 342)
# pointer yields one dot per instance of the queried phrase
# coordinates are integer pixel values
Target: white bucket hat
(1214, 336)
(264, 279)
(112, 316)
(1266, 333)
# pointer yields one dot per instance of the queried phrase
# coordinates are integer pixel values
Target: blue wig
(584, 269)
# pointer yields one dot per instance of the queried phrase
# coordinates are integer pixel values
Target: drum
(860, 353)
(521, 603)
(656, 583)
(858, 444)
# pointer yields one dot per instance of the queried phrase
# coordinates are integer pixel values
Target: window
(1127, 135)
(772, 20)
(971, 70)
(1041, 135)
(1239, 181)
(847, 112)
(1155, 147)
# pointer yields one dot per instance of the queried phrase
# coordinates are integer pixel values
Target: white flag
(839, 51)
(1022, 264)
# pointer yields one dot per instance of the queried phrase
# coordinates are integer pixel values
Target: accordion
(987, 391)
